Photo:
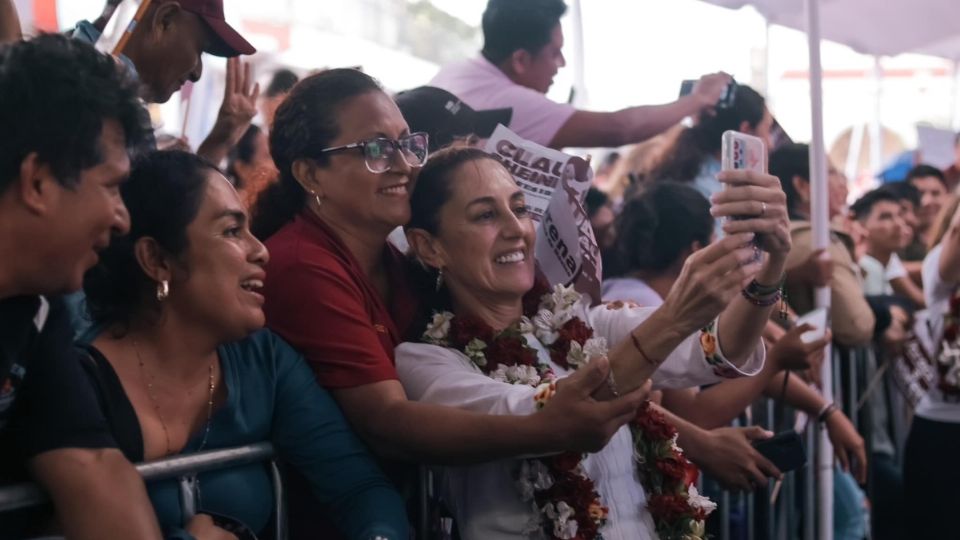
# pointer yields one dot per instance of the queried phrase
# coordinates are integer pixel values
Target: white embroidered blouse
(483, 498)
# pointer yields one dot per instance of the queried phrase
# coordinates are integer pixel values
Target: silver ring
(763, 208)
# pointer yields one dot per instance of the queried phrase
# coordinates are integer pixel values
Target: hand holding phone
(785, 450)
(727, 96)
(818, 320)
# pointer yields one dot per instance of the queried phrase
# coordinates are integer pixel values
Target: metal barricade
(25, 495)
(787, 517)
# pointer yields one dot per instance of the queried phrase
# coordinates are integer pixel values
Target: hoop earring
(163, 290)
(439, 279)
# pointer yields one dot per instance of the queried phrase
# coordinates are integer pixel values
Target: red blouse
(320, 301)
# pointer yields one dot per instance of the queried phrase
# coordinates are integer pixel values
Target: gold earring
(163, 290)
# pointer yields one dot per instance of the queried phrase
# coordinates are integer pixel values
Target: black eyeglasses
(379, 153)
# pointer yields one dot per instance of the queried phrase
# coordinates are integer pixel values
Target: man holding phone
(522, 52)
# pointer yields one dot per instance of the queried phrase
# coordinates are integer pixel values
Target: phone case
(818, 320)
(741, 151)
(785, 450)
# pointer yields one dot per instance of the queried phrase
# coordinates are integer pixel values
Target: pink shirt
(482, 85)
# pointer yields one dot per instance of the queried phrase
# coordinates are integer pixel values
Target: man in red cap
(164, 51)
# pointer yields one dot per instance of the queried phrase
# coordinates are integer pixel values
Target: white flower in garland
(519, 374)
(533, 476)
(699, 502)
(579, 356)
(564, 526)
(439, 327)
(545, 328)
(526, 325)
(563, 298)
(474, 351)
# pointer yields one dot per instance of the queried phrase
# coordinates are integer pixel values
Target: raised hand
(237, 110)
(761, 204)
(848, 445)
(729, 456)
(579, 421)
(709, 89)
(709, 280)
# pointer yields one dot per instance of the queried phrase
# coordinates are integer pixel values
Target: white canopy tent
(869, 27)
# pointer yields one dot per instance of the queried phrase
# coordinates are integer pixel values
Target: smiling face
(536, 71)
(485, 235)
(353, 196)
(216, 282)
(932, 194)
(81, 219)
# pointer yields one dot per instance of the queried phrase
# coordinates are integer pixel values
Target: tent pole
(580, 97)
(876, 126)
(820, 222)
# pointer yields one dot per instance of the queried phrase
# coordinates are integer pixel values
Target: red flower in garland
(669, 507)
(465, 329)
(655, 427)
(509, 351)
(573, 330)
(692, 473)
(566, 461)
(672, 468)
(580, 494)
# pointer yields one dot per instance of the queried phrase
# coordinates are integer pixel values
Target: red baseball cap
(227, 42)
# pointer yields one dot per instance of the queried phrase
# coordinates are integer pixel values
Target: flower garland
(948, 357)
(566, 503)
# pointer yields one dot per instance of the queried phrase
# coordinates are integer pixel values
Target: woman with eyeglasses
(340, 294)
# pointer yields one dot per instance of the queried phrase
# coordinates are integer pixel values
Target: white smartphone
(741, 151)
(818, 320)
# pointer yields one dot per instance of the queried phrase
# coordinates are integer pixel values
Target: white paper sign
(555, 185)
(936, 146)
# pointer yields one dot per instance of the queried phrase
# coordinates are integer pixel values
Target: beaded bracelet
(762, 301)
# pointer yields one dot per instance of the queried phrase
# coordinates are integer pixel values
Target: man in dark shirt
(69, 123)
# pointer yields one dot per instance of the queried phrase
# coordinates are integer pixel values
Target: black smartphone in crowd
(785, 450)
(726, 100)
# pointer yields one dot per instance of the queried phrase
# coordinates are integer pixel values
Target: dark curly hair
(511, 25)
(163, 196)
(683, 160)
(654, 228)
(55, 94)
(306, 121)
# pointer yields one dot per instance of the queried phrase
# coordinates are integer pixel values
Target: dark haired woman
(498, 344)
(182, 366)
(695, 155)
(658, 231)
(341, 295)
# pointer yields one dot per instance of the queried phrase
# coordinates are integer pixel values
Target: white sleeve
(895, 268)
(435, 374)
(687, 365)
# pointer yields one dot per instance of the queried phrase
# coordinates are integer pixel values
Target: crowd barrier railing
(25, 495)
(789, 515)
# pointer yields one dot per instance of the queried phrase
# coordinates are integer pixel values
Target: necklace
(149, 379)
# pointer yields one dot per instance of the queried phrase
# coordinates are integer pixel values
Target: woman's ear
(152, 259)
(305, 172)
(426, 248)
